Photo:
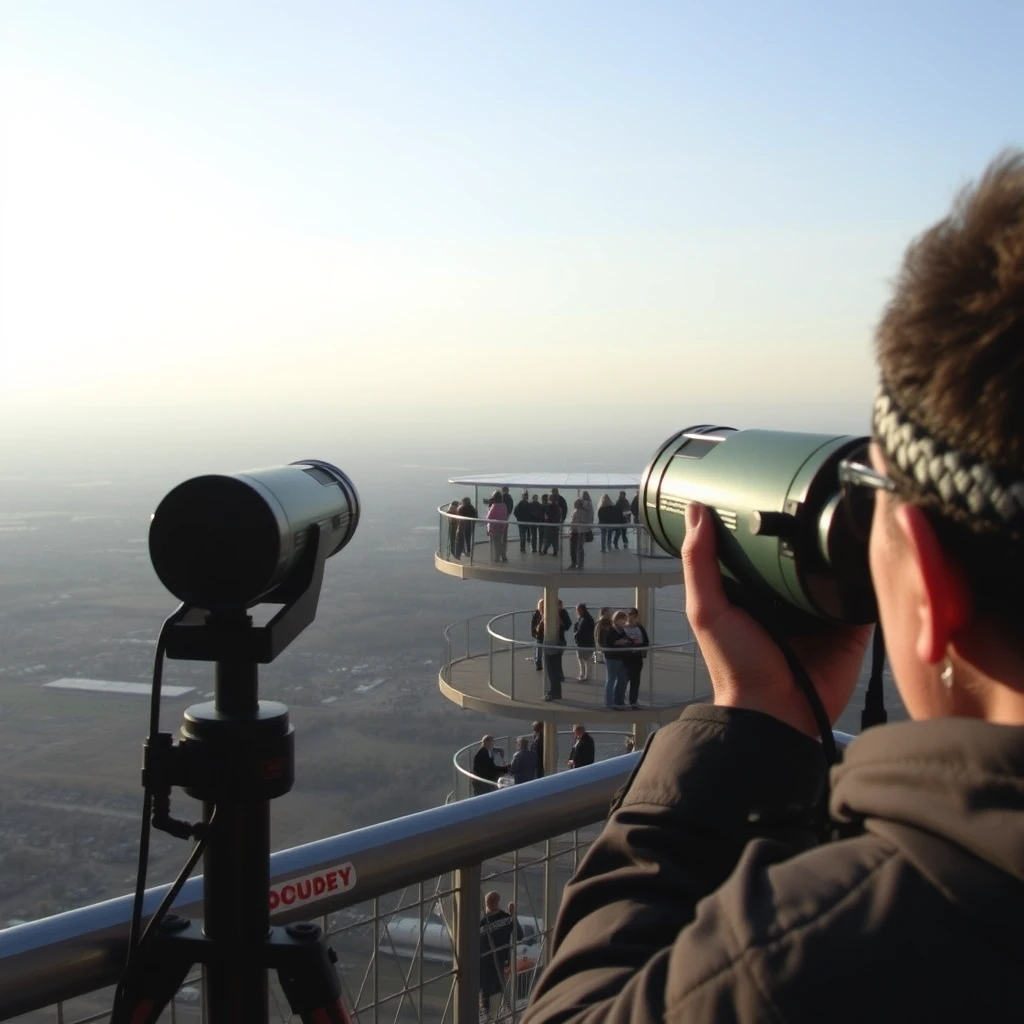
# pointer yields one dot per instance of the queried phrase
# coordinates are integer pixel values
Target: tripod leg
(158, 974)
(305, 968)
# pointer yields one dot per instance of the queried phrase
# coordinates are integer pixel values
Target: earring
(946, 675)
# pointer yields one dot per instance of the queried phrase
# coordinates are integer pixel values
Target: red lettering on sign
(302, 890)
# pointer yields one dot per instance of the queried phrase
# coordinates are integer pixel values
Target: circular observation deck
(490, 665)
(541, 554)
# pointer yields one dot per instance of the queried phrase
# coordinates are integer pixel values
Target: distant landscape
(79, 598)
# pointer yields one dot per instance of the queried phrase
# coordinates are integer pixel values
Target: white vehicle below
(401, 938)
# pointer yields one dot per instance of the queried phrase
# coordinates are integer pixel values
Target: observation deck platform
(486, 668)
(632, 566)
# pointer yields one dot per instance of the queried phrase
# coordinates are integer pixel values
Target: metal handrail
(513, 641)
(82, 950)
(467, 774)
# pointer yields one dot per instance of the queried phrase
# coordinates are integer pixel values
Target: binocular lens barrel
(783, 535)
(223, 542)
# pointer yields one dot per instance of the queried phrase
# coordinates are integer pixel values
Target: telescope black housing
(225, 542)
(785, 545)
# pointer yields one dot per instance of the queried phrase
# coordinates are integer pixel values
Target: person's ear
(940, 591)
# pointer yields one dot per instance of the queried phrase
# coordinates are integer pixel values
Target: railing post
(466, 886)
(552, 894)
(550, 746)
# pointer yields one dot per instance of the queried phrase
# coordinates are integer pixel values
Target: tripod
(236, 754)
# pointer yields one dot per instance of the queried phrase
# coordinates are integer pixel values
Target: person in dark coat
(537, 632)
(583, 634)
(486, 772)
(536, 517)
(453, 530)
(634, 656)
(524, 762)
(552, 528)
(563, 505)
(716, 892)
(524, 517)
(496, 947)
(467, 528)
(554, 673)
(537, 746)
(622, 504)
(607, 514)
(582, 752)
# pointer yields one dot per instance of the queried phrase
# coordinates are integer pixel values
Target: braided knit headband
(952, 482)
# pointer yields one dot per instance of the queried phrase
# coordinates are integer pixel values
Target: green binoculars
(789, 552)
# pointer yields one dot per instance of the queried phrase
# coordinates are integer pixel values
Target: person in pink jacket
(497, 527)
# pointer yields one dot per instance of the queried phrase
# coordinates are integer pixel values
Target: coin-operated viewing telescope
(787, 548)
(225, 542)
(222, 544)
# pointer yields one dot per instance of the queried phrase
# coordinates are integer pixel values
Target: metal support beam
(466, 943)
(550, 747)
(644, 604)
(552, 894)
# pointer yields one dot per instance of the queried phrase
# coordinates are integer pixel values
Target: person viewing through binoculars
(724, 887)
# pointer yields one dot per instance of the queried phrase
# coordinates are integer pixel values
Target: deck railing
(546, 546)
(673, 673)
(402, 913)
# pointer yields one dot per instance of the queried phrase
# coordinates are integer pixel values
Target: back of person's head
(579, 729)
(524, 742)
(949, 417)
(538, 726)
(486, 739)
(492, 900)
(578, 503)
(606, 500)
(581, 609)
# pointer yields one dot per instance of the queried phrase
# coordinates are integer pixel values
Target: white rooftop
(537, 481)
(111, 686)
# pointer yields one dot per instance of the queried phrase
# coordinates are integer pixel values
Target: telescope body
(783, 535)
(225, 542)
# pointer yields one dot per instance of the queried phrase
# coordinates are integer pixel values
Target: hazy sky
(533, 217)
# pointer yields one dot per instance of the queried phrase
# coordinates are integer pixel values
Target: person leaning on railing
(711, 895)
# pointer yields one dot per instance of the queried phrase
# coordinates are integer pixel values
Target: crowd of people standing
(618, 640)
(539, 518)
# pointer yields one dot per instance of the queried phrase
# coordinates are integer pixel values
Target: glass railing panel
(548, 548)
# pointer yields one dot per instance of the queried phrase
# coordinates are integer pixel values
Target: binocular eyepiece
(226, 542)
(788, 551)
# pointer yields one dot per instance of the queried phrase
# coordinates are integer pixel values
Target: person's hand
(512, 909)
(747, 668)
(571, 763)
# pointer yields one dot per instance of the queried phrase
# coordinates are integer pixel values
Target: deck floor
(671, 680)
